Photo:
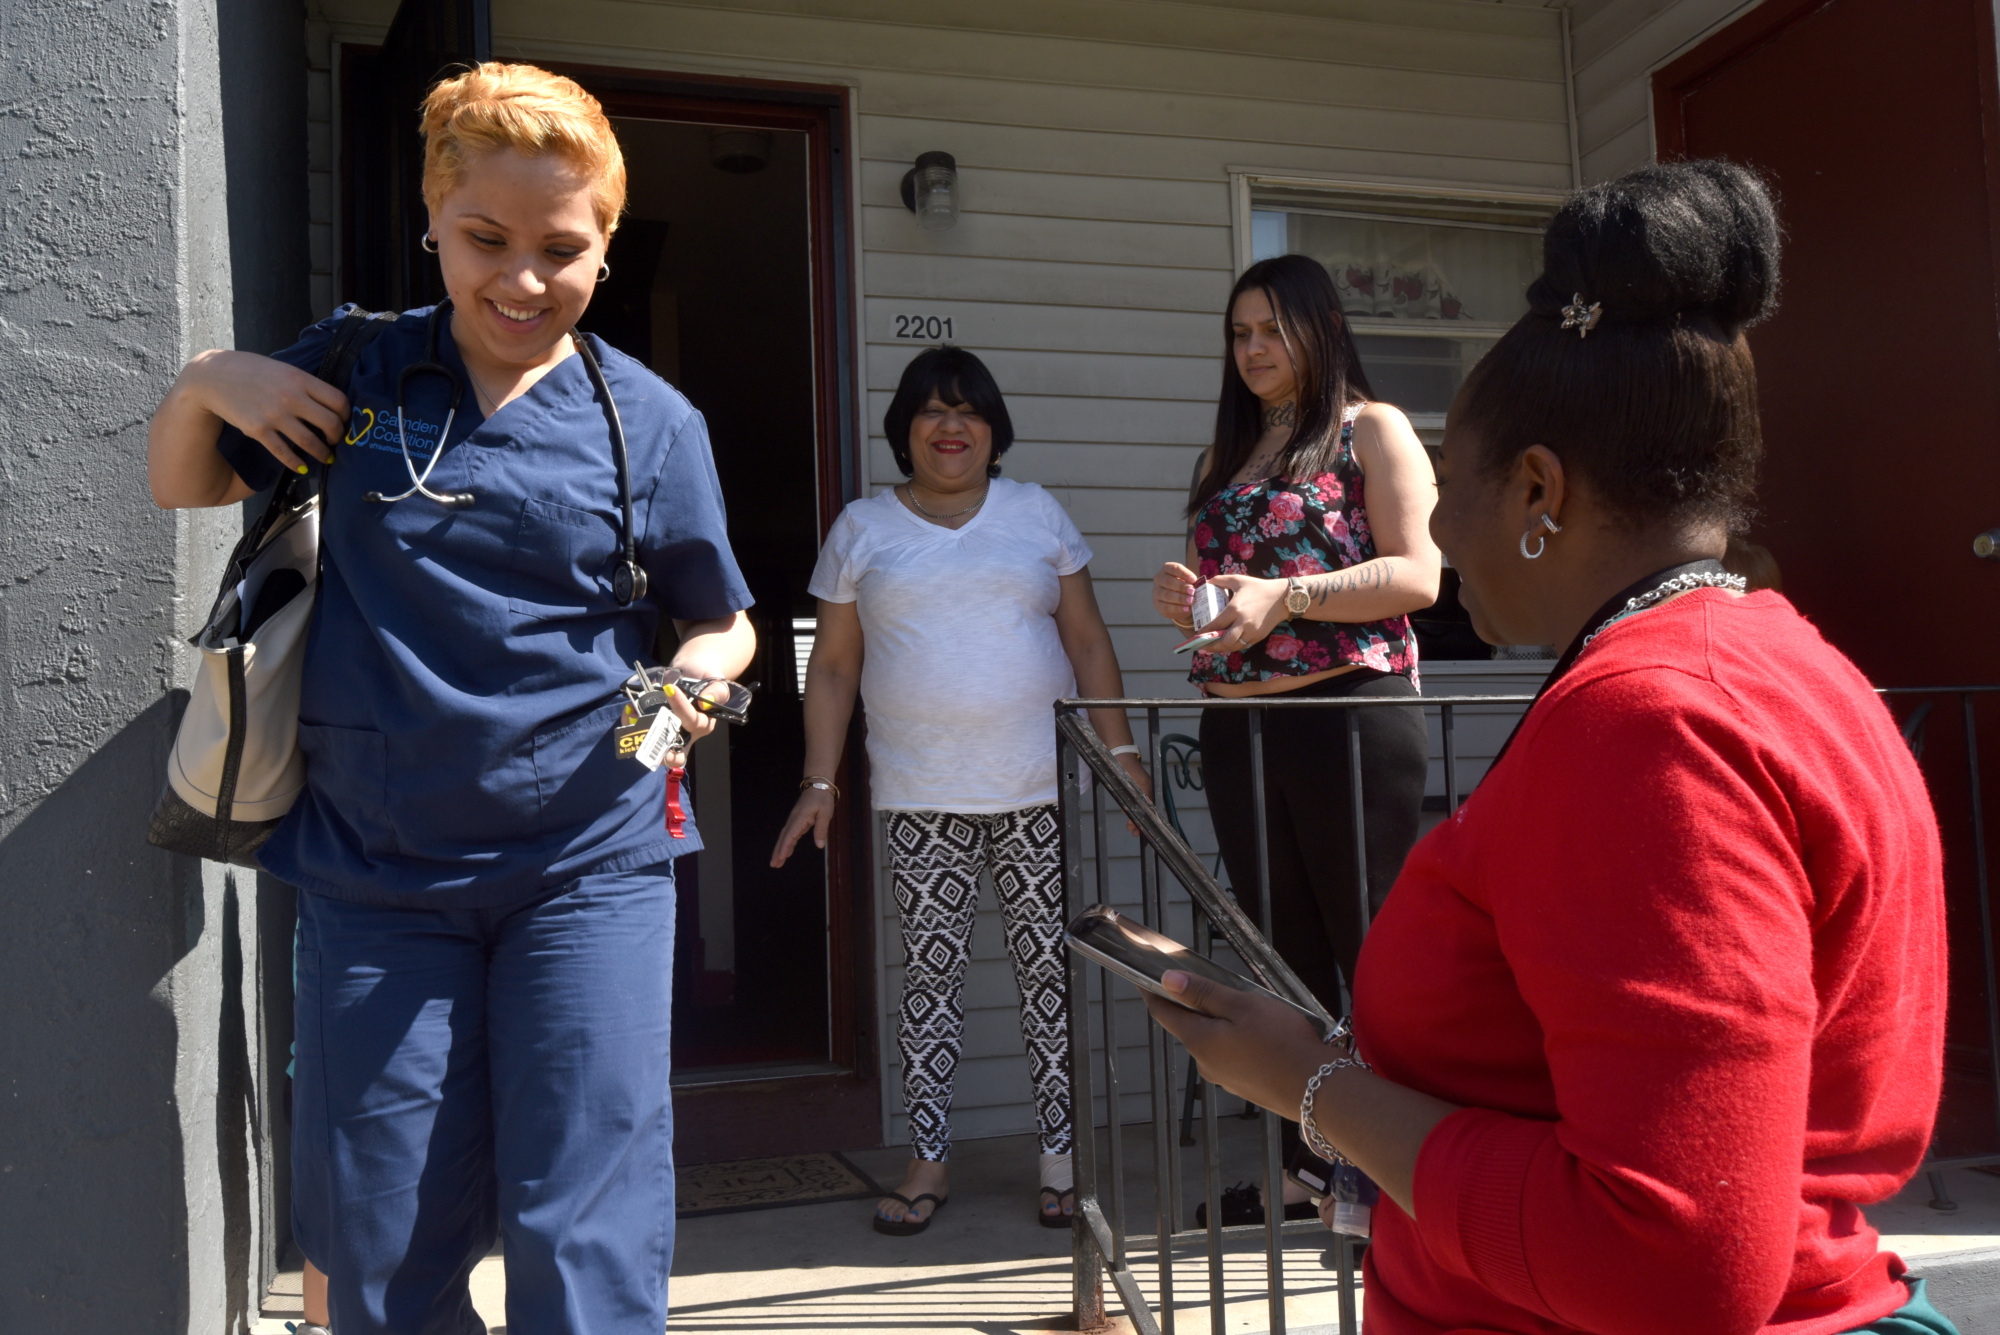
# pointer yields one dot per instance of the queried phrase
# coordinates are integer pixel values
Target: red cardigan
(1681, 958)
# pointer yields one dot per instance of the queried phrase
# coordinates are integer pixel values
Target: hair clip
(1580, 317)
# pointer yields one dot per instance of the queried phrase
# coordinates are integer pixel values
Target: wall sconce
(930, 190)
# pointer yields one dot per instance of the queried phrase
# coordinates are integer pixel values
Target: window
(1429, 281)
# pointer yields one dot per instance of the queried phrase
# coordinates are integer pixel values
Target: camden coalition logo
(379, 429)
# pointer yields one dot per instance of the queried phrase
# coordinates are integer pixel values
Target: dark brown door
(1880, 374)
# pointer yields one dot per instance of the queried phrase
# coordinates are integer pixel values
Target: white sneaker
(307, 1328)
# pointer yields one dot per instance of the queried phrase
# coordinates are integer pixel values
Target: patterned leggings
(935, 858)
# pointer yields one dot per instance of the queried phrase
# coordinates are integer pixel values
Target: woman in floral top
(1277, 517)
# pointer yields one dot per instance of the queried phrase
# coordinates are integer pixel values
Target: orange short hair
(496, 105)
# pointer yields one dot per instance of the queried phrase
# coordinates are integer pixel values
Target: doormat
(767, 1184)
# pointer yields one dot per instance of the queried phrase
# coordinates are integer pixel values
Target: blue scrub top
(462, 672)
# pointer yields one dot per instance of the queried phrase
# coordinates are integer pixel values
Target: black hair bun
(1666, 243)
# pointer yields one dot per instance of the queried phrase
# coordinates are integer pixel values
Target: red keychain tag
(676, 817)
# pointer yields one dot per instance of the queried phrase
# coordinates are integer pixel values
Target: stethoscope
(628, 581)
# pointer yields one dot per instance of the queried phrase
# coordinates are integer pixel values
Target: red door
(1880, 374)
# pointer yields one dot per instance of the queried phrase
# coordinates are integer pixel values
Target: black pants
(1315, 895)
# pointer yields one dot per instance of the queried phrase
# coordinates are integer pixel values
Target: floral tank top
(1276, 528)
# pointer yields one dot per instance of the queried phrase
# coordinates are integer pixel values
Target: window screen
(1428, 282)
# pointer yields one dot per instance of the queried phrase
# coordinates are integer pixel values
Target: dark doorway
(730, 277)
(1880, 374)
(711, 285)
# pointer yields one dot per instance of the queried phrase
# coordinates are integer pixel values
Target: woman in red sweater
(1661, 1008)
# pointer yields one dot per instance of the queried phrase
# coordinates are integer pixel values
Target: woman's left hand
(1137, 773)
(1255, 608)
(1256, 1047)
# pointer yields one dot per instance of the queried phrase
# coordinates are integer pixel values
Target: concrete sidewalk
(987, 1268)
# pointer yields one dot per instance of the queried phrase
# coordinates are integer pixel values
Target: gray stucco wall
(144, 215)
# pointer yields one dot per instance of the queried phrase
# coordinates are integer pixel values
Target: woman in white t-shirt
(959, 606)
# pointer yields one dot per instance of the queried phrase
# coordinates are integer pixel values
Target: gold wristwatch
(1297, 600)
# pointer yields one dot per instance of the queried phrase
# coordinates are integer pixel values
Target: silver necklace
(480, 389)
(912, 489)
(1699, 579)
(484, 397)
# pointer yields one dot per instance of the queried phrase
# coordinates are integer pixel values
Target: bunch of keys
(651, 733)
(648, 731)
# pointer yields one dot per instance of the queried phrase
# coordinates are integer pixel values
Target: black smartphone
(1142, 956)
(1309, 1171)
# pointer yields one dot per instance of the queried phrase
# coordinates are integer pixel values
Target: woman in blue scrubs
(487, 899)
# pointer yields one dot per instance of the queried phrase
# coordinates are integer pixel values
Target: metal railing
(1101, 1246)
(1914, 727)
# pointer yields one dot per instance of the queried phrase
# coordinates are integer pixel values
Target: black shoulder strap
(336, 365)
(350, 336)
(356, 330)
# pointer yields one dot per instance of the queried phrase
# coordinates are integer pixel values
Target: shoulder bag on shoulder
(235, 769)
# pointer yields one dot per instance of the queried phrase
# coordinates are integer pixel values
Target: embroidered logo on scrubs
(376, 430)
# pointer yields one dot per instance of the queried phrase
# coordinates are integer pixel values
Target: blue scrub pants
(467, 1073)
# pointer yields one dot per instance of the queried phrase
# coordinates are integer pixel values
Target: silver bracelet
(1308, 1131)
(1129, 749)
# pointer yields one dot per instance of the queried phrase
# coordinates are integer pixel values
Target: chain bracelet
(1317, 1143)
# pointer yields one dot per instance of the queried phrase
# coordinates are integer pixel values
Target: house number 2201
(931, 328)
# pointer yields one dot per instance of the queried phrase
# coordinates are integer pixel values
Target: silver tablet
(1142, 956)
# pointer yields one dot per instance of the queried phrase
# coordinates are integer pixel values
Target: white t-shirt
(960, 656)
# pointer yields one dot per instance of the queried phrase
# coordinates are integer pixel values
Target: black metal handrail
(1099, 1237)
(1914, 735)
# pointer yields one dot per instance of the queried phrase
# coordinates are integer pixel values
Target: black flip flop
(907, 1228)
(1057, 1220)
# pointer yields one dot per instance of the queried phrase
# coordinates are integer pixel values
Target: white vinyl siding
(1618, 44)
(1094, 248)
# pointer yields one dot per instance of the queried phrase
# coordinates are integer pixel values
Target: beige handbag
(235, 768)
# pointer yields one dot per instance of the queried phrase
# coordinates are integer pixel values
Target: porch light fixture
(739, 152)
(930, 190)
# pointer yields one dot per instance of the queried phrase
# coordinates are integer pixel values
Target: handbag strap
(355, 331)
(336, 366)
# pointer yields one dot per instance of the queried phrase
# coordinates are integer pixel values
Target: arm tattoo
(1376, 574)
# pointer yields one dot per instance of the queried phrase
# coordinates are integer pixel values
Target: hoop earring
(1542, 543)
(603, 272)
(429, 243)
